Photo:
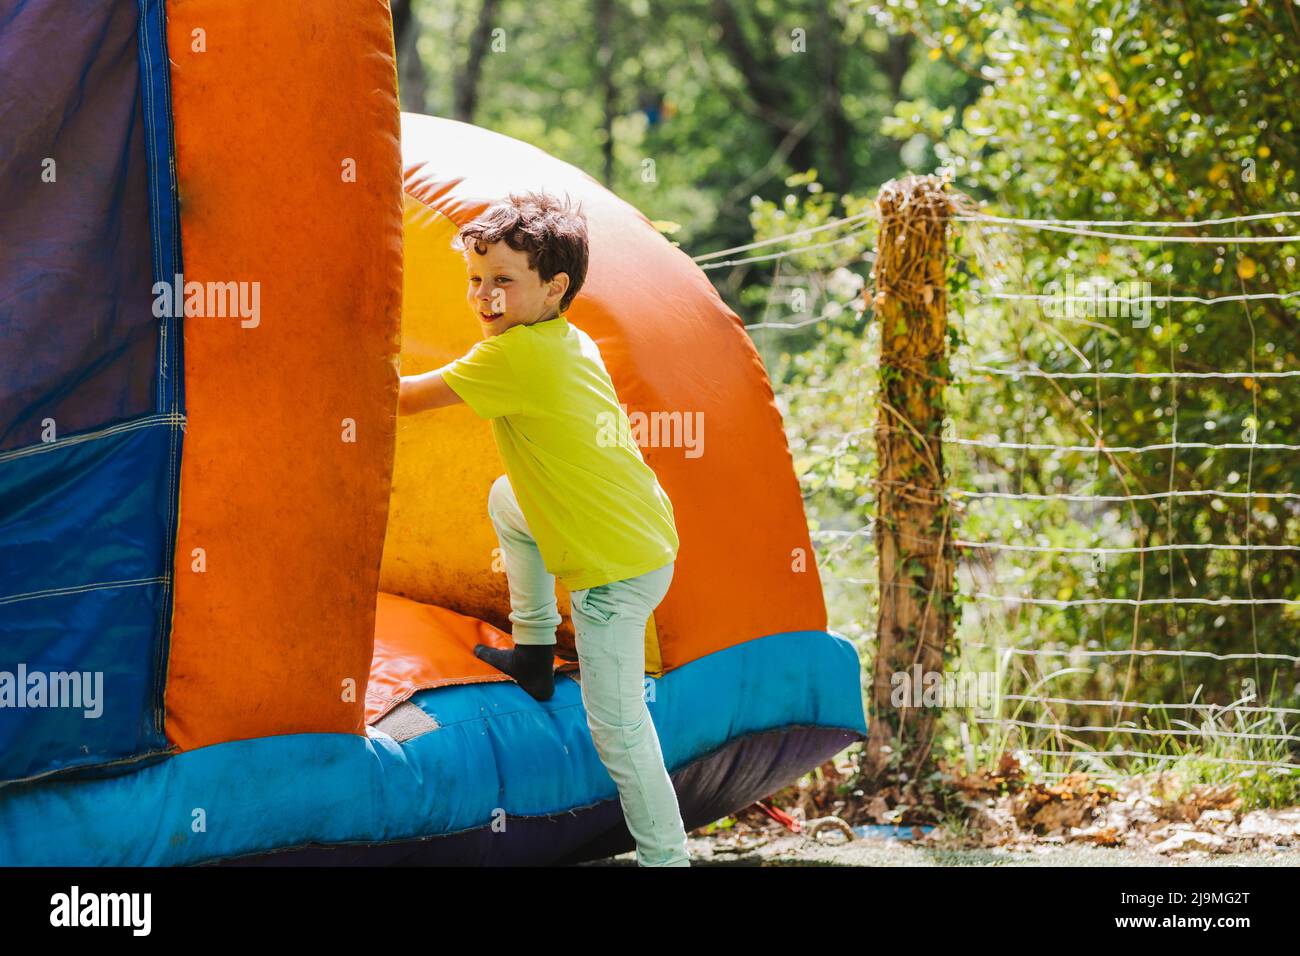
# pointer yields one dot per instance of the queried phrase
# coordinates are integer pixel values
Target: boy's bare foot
(531, 665)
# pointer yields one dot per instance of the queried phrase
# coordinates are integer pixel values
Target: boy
(589, 511)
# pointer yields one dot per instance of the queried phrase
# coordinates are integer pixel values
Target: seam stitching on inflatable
(146, 422)
(81, 589)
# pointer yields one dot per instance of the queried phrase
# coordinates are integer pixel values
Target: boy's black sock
(531, 665)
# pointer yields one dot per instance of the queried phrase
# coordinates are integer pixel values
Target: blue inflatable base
(499, 778)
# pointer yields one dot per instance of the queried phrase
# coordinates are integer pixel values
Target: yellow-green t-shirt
(595, 508)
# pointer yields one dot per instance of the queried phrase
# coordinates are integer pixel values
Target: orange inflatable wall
(746, 568)
(289, 169)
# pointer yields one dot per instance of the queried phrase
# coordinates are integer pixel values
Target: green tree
(1167, 111)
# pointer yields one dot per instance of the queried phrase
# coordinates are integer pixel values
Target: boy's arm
(419, 393)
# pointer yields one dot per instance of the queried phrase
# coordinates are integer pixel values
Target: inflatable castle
(238, 595)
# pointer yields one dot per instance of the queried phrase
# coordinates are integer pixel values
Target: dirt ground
(795, 850)
(1001, 818)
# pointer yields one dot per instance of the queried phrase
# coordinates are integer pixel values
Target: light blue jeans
(609, 624)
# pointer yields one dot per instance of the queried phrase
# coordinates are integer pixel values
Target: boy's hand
(419, 393)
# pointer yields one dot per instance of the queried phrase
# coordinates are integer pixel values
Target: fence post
(913, 533)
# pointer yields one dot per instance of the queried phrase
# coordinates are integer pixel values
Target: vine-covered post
(913, 533)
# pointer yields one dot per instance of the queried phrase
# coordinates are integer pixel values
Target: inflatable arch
(237, 594)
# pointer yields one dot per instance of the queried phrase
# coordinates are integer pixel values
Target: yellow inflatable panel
(697, 396)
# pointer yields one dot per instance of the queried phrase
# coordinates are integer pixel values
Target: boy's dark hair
(552, 232)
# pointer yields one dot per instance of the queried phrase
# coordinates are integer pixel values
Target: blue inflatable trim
(495, 755)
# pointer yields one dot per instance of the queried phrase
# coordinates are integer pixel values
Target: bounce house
(238, 595)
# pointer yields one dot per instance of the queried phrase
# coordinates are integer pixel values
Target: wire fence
(1047, 669)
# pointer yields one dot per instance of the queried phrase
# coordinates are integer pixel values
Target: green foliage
(1151, 120)
(692, 140)
(1142, 111)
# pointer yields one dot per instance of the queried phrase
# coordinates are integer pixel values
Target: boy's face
(504, 292)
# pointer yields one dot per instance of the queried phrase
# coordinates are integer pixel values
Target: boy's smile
(504, 291)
